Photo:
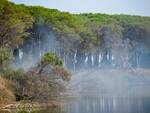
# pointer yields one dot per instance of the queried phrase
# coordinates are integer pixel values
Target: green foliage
(18, 21)
(16, 75)
(3, 3)
(6, 58)
(51, 58)
(15, 20)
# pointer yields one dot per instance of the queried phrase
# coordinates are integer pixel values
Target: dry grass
(65, 74)
(6, 95)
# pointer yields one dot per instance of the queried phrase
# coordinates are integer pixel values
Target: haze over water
(107, 91)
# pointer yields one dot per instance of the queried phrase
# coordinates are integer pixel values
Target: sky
(131, 7)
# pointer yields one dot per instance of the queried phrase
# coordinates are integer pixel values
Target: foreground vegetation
(44, 82)
(6, 94)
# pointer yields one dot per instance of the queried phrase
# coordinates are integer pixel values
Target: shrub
(6, 58)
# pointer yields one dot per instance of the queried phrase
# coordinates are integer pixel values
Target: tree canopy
(18, 21)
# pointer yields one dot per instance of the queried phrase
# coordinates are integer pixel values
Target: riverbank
(29, 106)
(106, 79)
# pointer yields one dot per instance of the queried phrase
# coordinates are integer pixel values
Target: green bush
(6, 58)
(51, 58)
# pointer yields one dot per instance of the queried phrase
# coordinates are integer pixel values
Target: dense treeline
(82, 32)
(18, 21)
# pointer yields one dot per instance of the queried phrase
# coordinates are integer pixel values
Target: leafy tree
(14, 21)
(6, 58)
(51, 58)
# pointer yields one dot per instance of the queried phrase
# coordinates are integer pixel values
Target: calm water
(103, 105)
(110, 92)
(110, 105)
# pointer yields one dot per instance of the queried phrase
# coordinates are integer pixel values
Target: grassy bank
(6, 95)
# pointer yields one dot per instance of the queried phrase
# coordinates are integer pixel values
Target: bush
(42, 82)
(6, 58)
(51, 58)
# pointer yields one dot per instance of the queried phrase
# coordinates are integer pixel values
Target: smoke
(115, 51)
(106, 74)
(34, 48)
(111, 83)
